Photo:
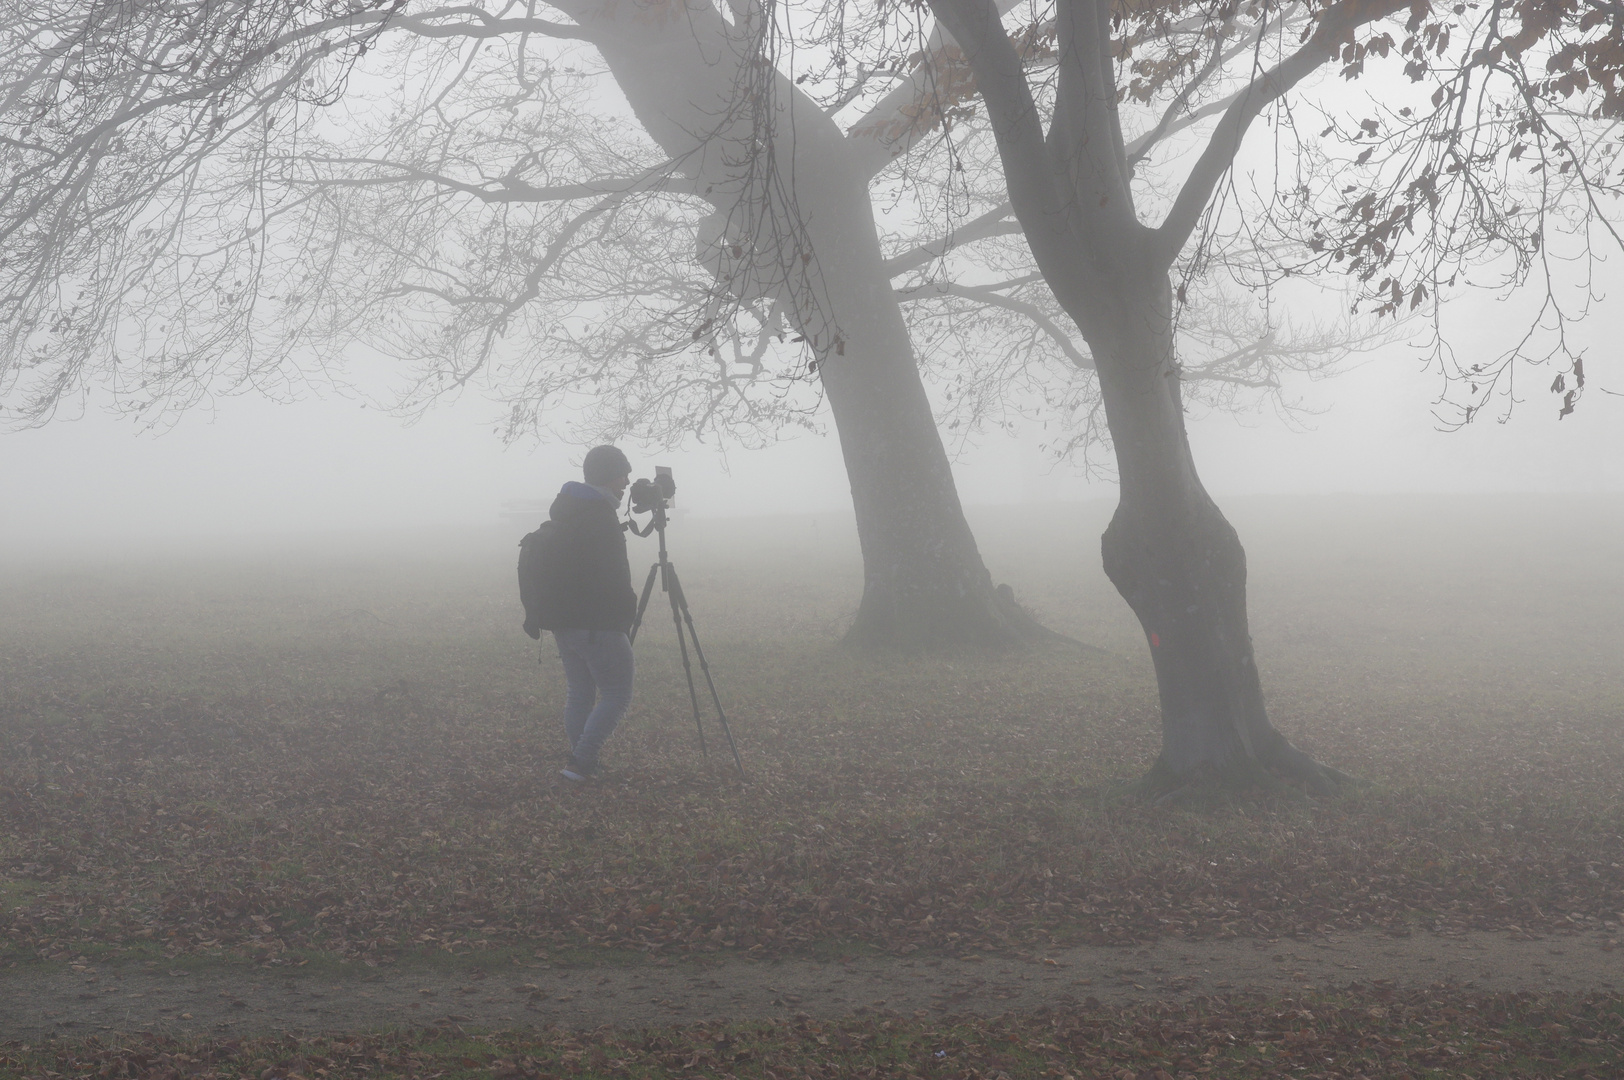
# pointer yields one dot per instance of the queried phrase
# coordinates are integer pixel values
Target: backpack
(538, 575)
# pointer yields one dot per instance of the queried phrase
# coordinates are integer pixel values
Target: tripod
(684, 622)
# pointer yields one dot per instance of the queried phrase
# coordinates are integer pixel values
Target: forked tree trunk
(1178, 563)
(1168, 549)
(925, 583)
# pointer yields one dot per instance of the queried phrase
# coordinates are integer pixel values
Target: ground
(324, 779)
(471, 992)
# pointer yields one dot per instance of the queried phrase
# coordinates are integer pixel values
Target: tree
(1435, 185)
(790, 237)
(159, 164)
(184, 209)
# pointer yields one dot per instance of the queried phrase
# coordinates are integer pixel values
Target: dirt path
(111, 997)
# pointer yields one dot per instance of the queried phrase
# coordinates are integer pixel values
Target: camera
(655, 494)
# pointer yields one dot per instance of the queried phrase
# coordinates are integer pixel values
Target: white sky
(329, 466)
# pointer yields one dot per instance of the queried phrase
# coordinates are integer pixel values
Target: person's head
(606, 467)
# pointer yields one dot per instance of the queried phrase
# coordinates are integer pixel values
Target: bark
(1178, 562)
(925, 584)
(1168, 550)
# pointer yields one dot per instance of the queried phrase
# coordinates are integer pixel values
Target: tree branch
(987, 294)
(1138, 148)
(1146, 142)
(1171, 122)
(1017, 125)
(1201, 374)
(903, 116)
(1107, 70)
(486, 26)
(511, 191)
(1335, 26)
(995, 222)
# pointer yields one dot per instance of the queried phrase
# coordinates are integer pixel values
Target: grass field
(1411, 1036)
(266, 751)
(348, 752)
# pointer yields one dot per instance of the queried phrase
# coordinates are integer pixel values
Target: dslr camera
(655, 494)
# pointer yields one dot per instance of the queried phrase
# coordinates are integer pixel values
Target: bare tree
(986, 325)
(186, 210)
(231, 195)
(1510, 135)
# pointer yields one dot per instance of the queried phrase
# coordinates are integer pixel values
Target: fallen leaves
(1332, 1036)
(269, 793)
(347, 834)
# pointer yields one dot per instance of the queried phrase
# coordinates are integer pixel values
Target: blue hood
(577, 490)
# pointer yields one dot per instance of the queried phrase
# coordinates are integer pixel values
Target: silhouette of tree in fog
(1485, 134)
(184, 212)
(208, 195)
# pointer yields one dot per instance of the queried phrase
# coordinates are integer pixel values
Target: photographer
(593, 606)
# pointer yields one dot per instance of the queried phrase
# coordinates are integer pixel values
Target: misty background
(248, 466)
(245, 466)
(266, 707)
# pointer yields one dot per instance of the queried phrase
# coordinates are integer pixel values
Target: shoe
(577, 772)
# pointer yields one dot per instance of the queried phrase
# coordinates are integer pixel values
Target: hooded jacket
(594, 588)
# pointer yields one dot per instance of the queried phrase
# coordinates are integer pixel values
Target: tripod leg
(642, 602)
(678, 605)
(679, 600)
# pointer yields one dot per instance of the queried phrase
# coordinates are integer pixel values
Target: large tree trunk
(1168, 550)
(924, 580)
(1176, 560)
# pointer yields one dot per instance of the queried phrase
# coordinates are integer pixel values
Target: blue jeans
(598, 681)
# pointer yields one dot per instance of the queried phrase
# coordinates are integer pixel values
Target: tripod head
(656, 523)
(655, 494)
(652, 496)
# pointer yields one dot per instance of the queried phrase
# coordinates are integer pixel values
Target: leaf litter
(1401, 1035)
(350, 827)
(246, 779)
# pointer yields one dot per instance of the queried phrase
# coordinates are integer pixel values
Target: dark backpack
(538, 575)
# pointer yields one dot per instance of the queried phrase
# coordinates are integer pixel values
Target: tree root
(1285, 768)
(1020, 621)
(1293, 764)
(1027, 627)
(993, 621)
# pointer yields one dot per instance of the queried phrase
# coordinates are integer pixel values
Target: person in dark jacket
(595, 606)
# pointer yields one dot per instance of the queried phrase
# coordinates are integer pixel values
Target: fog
(246, 466)
(294, 784)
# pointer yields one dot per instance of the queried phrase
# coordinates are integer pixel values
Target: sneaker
(577, 772)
